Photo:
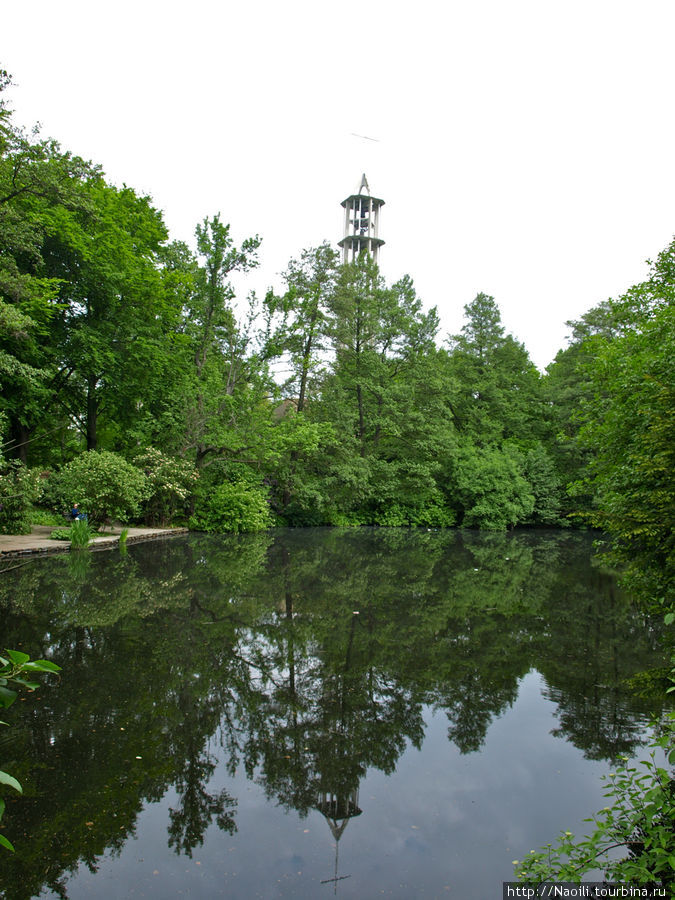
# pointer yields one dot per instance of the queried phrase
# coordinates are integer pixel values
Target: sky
(523, 148)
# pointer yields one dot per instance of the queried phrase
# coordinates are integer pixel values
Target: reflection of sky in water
(442, 824)
(158, 648)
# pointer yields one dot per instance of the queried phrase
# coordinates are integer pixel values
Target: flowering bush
(105, 486)
(170, 482)
(19, 489)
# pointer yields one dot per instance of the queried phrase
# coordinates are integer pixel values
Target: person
(75, 512)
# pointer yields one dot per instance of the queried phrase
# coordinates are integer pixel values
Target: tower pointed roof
(363, 191)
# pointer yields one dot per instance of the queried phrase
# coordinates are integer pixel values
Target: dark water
(304, 713)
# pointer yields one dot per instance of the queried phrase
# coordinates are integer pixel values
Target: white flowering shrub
(170, 481)
(106, 487)
(19, 489)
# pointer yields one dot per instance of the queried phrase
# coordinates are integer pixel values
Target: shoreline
(38, 542)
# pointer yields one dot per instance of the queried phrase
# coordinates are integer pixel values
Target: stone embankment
(38, 541)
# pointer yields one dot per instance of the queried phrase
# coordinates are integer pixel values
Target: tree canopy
(333, 401)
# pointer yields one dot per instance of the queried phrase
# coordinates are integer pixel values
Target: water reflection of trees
(311, 656)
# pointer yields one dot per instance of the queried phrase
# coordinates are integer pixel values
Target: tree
(373, 395)
(37, 178)
(226, 384)
(498, 387)
(631, 431)
(311, 281)
(569, 388)
(111, 337)
(489, 488)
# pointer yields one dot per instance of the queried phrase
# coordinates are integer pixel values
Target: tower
(362, 214)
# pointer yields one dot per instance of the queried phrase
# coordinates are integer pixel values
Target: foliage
(631, 430)
(540, 472)
(19, 489)
(488, 487)
(233, 506)
(13, 670)
(640, 819)
(311, 281)
(80, 533)
(170, 481)
(333, 395)
(497, 388)
(40, 516)
(104, 484)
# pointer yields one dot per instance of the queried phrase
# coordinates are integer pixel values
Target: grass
(79, 534)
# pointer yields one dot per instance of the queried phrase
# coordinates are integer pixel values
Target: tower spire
(362, 213)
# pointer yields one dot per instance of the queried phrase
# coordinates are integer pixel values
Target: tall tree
(226, 409)
(109, 336)
(311, 281)
(499, 386)
(36, 179)
(630, 428)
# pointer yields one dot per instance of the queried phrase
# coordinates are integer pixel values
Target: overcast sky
(523, 147)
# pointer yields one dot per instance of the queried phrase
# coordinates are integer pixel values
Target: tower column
(361, 225)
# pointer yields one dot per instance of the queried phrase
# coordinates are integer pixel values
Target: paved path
(38, 541)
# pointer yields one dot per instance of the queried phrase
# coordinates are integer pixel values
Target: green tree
(37, 179)
(498, 394)
(569, 388)
(373, 396)
(311, 281)
(631, 431)
(111, 338)
(488, 487)
(224, 402)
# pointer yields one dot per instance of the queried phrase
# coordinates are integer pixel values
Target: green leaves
(639, 819)
(10, 782)
(12, 666)
(104, 484)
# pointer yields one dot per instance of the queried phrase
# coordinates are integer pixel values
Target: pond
(304, 713)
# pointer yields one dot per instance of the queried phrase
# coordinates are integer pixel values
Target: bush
(170, 482)
(19, 489)
(490, 489)
(640, 819)
(102, 483)
(428, 515)
(233, 506)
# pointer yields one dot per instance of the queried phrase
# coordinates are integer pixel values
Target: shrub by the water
(105, 486)
(233, 506)
(170, 482)
(79, 534)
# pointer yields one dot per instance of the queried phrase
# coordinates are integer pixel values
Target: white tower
(362, 213)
